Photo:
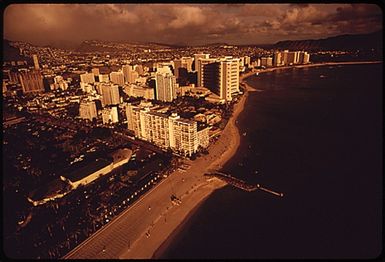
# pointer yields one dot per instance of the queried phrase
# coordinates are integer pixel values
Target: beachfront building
(220, 76)
(267, 61)
(203, 136)
(287, 57)
(277, 59)
(163, 130)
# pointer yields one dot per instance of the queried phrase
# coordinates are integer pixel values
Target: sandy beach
(220, 152)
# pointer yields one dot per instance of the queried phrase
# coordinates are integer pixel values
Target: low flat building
(51, 191)
(87, 173)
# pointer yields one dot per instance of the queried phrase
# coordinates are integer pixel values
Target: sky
(67, 25)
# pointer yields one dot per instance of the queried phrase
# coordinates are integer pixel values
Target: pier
(236, 182)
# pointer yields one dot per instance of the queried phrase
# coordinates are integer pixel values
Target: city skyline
(67, 25)
(176, 133)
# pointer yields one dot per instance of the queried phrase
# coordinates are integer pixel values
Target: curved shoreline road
(126, 236)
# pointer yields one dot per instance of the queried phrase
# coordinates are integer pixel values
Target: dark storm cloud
(63, 24)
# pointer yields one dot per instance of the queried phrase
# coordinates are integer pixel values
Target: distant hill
(107, 46)
(11, 53)
(341, 42)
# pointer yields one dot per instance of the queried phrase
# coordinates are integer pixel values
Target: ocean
(314, 134)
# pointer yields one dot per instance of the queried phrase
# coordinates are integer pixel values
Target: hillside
(341, 42)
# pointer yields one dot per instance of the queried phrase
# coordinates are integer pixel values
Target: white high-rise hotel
(220, 75)
(180, 135)
(165, 85)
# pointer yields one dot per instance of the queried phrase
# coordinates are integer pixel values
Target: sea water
(314, 134)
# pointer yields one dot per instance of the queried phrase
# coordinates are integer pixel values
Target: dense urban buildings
(110, 94)
(173, 107)
(87, 110)
(31, 81)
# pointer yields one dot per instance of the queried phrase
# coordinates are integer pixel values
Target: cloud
(187, 15)
(188, 23)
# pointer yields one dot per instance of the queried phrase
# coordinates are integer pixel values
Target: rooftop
(48, 190)
(81, 170)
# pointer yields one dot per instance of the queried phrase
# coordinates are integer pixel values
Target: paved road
(116, 237)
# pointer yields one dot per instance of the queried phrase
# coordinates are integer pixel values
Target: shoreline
(127, 238)
(230, 130)
(243, 77)
(234, 131)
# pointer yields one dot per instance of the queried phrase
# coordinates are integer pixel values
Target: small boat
(321, 76)
(244, 134)
(257, 73)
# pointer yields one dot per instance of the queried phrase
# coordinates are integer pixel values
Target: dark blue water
(319, 141)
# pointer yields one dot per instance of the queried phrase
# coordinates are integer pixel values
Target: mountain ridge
(339, 42)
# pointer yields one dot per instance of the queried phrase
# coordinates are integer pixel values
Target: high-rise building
(184, 62)
(267, 61)
(293, 58)
(285, 57)
(87, 110)
(202, 66)
(174, 132)
(87, 78)
(183, 135)
(303, 57)
(130, 75)
(247, 61)
(127, 72)
(220, 75)
(165, 87)
(110, 94)
(117, 78)
(110, 115)
(197, 57)
(277, 60)
(31, 81)
(35, 62)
